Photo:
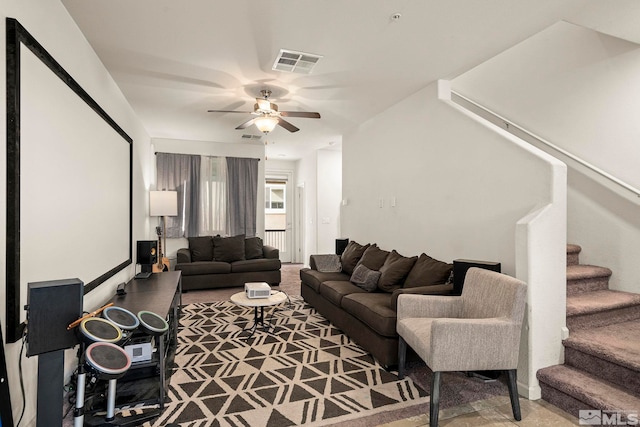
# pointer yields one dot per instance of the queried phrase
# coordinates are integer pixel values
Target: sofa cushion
(428, 271)
(253, 248)
(326, 263)
(201, 248)
(314, 278)
(204, 267)
(372, 309)
(365, 278)
(333, 291)
(351, 255)
(396, 267)
(373, 257)
(262, 264)
(228, 249)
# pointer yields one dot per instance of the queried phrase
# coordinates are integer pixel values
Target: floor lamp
(164, 204)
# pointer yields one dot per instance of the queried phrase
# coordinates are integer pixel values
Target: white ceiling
(174, 60)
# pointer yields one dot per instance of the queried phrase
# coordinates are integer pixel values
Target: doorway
(278, 213)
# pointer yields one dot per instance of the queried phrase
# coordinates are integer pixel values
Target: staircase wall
(577, 88)
(609, 225)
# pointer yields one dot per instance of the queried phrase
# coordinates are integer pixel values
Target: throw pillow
(228, 249)
(395, 269)
(374, 257)
(365, 278)
(201, 248)
(253, 248)
(351, 255)
(428, 271)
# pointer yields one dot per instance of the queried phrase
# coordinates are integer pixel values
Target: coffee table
(258, 304)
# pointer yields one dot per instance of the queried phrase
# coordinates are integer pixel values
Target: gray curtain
(243, 195)
(181, 173)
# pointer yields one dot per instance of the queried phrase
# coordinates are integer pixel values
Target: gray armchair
(479, 330)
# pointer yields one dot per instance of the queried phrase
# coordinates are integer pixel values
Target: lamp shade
(163, 203)
(266, 124)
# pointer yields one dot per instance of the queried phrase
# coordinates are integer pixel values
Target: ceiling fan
(268, 115)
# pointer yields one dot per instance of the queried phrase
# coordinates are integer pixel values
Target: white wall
(460, 188)
(578, 89)
(210, 148)
(329, 195)
(319, 177)
(306, 178)
(50, 24)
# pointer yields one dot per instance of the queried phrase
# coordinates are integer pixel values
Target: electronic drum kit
(102, 355)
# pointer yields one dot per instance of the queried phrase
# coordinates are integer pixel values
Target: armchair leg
(513, 393)
(402, 357)
(434, 402)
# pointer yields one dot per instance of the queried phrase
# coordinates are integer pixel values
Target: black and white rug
(305, 372)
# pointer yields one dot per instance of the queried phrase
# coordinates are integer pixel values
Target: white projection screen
(69, 170)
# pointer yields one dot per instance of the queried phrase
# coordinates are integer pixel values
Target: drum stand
(78, 411)
(111, 419)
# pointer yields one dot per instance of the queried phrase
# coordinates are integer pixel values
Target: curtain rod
(161, 152)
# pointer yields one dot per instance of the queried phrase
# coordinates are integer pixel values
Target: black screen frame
(17, 36)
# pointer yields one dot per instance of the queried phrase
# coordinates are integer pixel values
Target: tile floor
(495, 411)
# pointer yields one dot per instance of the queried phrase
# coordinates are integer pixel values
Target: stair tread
(585, 271)
(572, 248)
(599, 301)
(618, 343)
(588, 388)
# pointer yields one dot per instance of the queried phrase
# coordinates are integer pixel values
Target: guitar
(163, 262)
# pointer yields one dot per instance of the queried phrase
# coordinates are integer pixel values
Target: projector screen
(68, 179)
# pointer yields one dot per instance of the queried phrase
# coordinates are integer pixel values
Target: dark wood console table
(161, 293)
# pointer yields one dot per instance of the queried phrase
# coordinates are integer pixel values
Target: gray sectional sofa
(216, 262)
(361, 298)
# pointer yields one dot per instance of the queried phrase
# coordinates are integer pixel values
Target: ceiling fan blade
(228, 111)
(288, 126)
(300, 114)
(246, 124)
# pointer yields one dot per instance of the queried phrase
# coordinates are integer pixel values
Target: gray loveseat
(361, 298)
(217, 262)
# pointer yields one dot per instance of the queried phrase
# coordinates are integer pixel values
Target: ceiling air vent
(295, 62)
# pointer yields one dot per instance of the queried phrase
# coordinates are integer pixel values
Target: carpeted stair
(602, 354)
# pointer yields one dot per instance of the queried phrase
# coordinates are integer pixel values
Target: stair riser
(562, 400)
(609, 317)
(573, 406)
(573, 259)
(626, 378)
(575, 287)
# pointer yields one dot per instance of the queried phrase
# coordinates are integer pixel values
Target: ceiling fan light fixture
(263, 104)
(266, 124)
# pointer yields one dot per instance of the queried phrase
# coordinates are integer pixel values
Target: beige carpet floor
(456, 388)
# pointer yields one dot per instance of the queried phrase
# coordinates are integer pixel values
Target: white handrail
(525, 135)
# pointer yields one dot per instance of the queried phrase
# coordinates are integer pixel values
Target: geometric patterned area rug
(304, 371)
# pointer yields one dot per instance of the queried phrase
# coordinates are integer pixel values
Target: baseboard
(532, 392)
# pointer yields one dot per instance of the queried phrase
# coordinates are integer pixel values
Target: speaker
(341, 245)
(147, 252)
(460, 267)
(51, 307)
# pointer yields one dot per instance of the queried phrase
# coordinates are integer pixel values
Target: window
(275, 198)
